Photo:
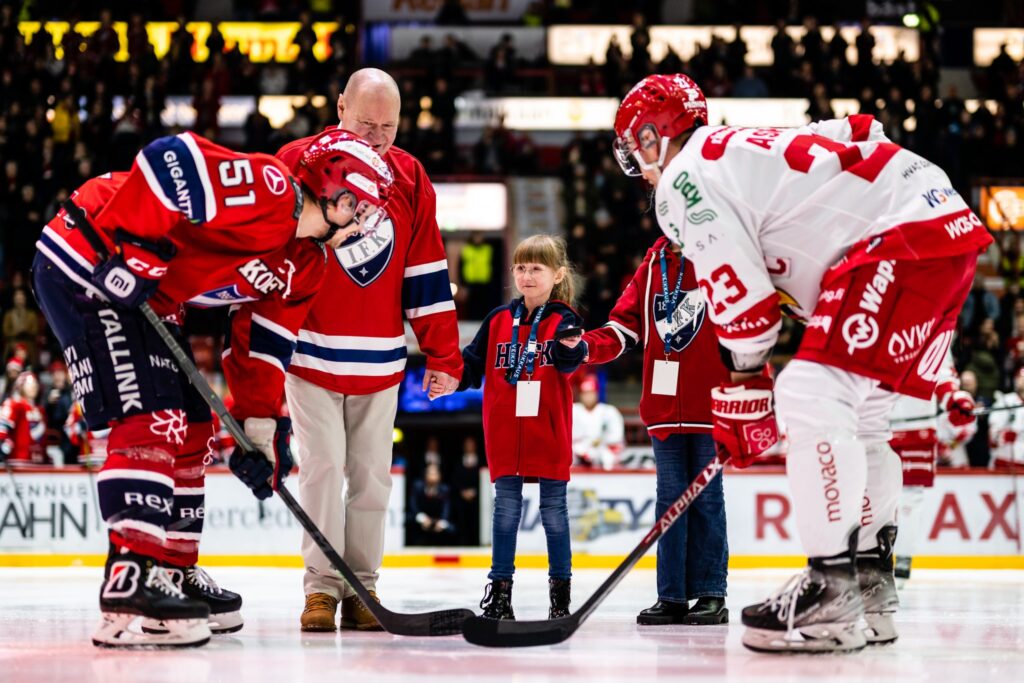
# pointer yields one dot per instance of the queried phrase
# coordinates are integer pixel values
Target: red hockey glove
(744, 419)
(959, 406)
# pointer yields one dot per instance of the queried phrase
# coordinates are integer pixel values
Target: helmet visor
(624, 150)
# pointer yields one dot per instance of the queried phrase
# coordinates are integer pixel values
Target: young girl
(528, 413)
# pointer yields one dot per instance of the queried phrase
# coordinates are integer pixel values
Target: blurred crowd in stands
(58, 127)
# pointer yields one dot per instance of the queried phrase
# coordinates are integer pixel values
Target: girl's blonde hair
(550, 251)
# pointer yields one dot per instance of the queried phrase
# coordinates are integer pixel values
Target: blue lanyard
(671, 299)
(530, 353)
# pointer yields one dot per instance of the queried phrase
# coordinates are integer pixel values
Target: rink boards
(969, 520)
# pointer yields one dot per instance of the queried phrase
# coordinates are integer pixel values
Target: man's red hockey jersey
(639, 319)
(353, 341)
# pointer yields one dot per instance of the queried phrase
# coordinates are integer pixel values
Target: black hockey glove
(264, 469)
(132, 274)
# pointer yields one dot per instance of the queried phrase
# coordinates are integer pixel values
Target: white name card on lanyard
(527, 391)
(665, 377)
(527, 398)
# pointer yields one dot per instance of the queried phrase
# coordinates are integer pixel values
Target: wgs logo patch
(686, 321)
(364, 257)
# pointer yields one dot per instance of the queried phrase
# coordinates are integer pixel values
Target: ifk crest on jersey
(364, 257)
(686, 321)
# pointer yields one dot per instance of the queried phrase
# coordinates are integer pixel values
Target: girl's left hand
(571, 342)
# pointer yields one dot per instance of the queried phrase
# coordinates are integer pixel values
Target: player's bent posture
(870, 246)
(190, 223)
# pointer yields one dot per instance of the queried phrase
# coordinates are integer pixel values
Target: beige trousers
(343, 439)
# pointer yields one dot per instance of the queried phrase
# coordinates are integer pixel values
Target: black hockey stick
(508, 633)
(977, 412)
(444, 622)
(440, 623)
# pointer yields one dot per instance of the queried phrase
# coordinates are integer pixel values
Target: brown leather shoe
(319, 612)
(355, 616)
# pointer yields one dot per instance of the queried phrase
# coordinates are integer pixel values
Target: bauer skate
(136, 586)
(225, 606)
(878, 589)
(818, 610)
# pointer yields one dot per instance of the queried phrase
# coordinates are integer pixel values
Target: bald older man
(342, 385)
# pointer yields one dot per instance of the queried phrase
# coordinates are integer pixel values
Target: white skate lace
(197, 575)
(783, 601)
(160, 579)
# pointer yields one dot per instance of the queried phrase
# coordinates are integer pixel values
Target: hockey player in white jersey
(871, 247)
(1006, 428)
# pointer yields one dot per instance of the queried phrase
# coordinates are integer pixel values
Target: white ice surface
(955, 626)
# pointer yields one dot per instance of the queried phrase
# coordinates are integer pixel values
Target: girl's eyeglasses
(522, 269)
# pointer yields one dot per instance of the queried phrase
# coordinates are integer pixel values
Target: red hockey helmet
(340, 162)
(657, 109)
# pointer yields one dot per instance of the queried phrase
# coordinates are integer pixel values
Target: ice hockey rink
(954, 625)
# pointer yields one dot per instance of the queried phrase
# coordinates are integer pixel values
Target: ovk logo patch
(364, 257)
(685, 323)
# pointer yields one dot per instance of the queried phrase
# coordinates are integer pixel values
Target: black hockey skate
(878, 589)
(225, 606)
(497, 602)
(137, 586)
(818, 610)
(559, 592)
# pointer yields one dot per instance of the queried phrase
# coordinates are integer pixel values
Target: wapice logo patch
(364, 257)
(686, 321)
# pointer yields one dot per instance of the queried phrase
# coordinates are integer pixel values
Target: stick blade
(508, 633)
(446, 622)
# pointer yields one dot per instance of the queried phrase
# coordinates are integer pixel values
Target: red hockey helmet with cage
(340, 162)
(657, 109)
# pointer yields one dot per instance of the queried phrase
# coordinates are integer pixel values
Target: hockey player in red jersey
(22, 424)
(871, 247)
(190, 223)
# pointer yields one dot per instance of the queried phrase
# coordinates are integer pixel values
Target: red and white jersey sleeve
(764, 212)
(624, 330)
(853, 128)
(264, 333)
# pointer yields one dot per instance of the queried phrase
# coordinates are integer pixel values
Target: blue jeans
(508, 511)
(693, 555)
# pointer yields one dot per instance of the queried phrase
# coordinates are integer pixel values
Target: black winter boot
(707, 611)
(497, 602)
(559, 592)
(663, 613)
